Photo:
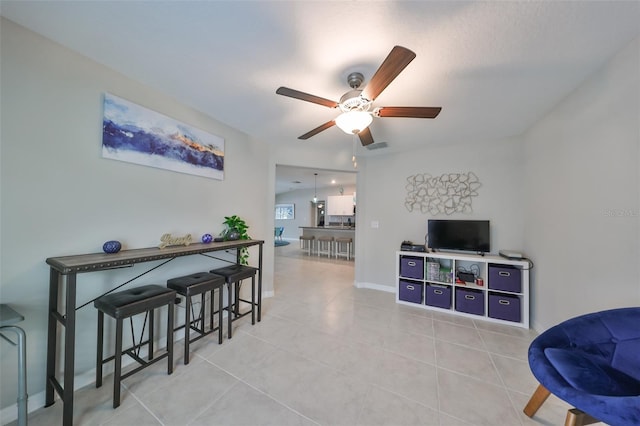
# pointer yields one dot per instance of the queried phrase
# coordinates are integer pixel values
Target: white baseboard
(373, 286)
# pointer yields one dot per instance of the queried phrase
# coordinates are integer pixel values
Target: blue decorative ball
(207, 238)
(111, 246)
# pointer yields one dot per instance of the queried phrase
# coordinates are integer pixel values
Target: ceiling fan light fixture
(353, 122)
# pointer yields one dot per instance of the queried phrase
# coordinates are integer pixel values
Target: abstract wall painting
(285, 211)
(135, 134)
(448, 193)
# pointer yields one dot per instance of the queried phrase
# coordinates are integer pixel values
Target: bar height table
(63, 271)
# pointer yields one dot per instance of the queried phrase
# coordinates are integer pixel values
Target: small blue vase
(207, 238)
(111, 247)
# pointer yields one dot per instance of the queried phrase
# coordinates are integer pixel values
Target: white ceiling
(494, 67)
(290, 178)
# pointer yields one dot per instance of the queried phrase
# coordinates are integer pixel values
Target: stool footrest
(206, 333)
(238, 315)
(143, 364)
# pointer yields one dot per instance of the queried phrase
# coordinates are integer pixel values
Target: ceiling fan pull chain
(353, 157)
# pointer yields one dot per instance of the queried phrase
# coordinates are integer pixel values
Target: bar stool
(339, 244)
(307, 242)
(233, 275)
(192, 285)
(325, 245)
(126, 304)
(9, 317)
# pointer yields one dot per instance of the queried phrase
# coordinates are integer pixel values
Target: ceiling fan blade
(317, 130)
(409, 112)
(285, 91)
(365, 137)
(396, 61)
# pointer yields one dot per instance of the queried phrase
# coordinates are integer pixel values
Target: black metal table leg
(54, 278)
(259, 282)
(69, 350)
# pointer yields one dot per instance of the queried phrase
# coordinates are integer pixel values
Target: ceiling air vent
(377, 145)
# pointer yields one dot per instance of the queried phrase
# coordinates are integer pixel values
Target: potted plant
(236, 229)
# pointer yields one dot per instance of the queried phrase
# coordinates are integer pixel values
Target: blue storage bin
(505, 278)
(470, 301)
(412, 267)
(438, 295)
(505, 306)
(410, 291)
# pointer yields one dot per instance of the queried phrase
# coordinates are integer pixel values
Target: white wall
(59, 197)
(382, 193)
(582, 203)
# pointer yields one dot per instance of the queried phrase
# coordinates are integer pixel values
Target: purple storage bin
(470, 301)
(505, 307)
(410, 291)
(505, 278)
(438, 295)
(412, 267)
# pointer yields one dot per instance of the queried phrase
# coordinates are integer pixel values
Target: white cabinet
(488, 288)
(340, 205)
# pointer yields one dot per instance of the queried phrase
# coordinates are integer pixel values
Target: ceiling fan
(356, 104)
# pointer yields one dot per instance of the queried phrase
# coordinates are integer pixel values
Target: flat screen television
(463, 235)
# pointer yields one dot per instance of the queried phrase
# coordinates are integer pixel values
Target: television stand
(499, 292)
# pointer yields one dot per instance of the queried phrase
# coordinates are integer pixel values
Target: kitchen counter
(332, 231)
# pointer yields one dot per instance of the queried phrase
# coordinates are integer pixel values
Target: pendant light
(315, 188)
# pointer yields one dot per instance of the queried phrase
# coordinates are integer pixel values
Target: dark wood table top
(100, 261)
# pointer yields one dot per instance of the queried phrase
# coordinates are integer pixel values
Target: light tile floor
(326, 353)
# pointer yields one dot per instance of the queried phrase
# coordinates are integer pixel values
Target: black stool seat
(135, 301)
(126, 304)
(234, 274)
(196, 283)
(192, 285)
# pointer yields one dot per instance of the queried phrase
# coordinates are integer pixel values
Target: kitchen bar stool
(339, 244)
(126, 304)
(307, 243)
(325, 245)
(234, 274)
(192, 285)
(9, 317)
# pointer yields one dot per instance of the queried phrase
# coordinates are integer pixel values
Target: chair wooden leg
(576, 417)
(537, 399)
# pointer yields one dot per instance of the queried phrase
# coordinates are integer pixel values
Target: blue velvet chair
(277, 232)
(593, 363)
